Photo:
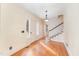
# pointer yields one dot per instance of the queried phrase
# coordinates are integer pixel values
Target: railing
(54, 29)
(56, 35)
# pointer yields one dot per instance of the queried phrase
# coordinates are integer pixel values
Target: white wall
(13, 21)
(71, 23)
(2, 42)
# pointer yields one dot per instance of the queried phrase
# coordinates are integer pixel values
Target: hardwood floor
(39, 48)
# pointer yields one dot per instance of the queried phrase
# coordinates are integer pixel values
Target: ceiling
(39, 9)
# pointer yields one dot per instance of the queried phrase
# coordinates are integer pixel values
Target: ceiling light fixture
(46, 19)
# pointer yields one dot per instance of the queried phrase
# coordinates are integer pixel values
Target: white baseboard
(68, 49)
